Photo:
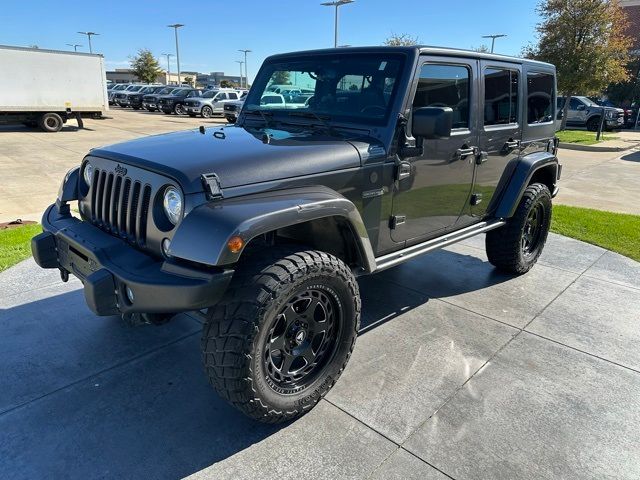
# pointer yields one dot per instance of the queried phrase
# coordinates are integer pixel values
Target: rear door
(500, 133)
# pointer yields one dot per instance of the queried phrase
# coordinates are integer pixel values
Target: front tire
(206, 112)
(515, 247)
(179, 109)
(282, 335)
(593, 123)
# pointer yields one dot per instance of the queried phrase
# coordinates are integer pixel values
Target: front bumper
(149, 105)
(108, 266)
(193, 109)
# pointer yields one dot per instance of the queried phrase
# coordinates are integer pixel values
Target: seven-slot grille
(120, 205)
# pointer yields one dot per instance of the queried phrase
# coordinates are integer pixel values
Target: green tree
(226, 84)
(586, 42)
(626, 93)
(145, 66)
(281, 78)
(189, 80)
(481, 49)
(399, 40)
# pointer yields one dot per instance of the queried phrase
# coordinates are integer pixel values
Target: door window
(574, 103)
(500, 96)
(540, 97)
(445, 86)
(233, 96)
(220, 96)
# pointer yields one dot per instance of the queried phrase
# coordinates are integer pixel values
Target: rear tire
(283, 333)
(179, 109)
(51, 122)
(515, 247)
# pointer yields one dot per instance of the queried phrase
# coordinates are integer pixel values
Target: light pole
(168, 55)
(337, 4)
(246, 71)
(493, 39)
(75, 46)
(240, 62)
(89, 35)
(176, 26)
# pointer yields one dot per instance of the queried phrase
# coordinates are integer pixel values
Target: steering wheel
(370, 107)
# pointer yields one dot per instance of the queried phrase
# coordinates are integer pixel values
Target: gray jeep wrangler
(263, 227)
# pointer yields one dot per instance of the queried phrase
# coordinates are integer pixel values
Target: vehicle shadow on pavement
(632, 157)
(84, 396)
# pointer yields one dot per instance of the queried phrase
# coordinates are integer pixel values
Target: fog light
(166, 244)
(130, 295)
(235, 244)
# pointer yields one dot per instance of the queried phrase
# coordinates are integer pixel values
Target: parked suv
(122, 98)
(211, 102)
(233, 107)
(584, 112)
(174, 102)
(263, 227)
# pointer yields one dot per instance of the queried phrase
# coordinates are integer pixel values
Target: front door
(501, 130)
(433, 195)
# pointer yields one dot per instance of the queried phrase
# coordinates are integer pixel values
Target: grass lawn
(617, 232)
(15, 244)
(583, 137)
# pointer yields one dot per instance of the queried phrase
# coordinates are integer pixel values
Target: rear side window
(540, 97)
(500, 96)
(233, 96)
(445, 86)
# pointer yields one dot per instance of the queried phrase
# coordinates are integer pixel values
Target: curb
(595, 148)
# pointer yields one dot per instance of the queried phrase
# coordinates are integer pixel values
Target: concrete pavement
(459, 372)
(33, 163)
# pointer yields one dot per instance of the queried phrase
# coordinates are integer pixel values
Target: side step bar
(392, 259)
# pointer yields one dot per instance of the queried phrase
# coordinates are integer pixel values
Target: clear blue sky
(213, 32)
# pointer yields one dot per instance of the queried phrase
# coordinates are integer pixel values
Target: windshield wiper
(323, 119)
(265, 115)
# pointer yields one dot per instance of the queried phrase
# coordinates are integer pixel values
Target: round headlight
(88, 173)
(172, 203)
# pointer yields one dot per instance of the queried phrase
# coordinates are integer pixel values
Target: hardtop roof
(414, 50)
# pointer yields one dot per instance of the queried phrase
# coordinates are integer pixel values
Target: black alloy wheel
(301, 340)
(532, 232)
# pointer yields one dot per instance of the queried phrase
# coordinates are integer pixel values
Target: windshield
(347, 87)
(588, 101)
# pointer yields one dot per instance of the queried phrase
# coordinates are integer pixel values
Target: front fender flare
(523, 172)
(203, 234)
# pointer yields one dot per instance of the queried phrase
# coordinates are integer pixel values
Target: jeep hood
(238, 156)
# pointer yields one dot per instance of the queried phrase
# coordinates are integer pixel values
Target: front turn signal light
(235, 244)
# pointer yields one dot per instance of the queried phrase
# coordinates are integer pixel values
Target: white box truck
(44, 88)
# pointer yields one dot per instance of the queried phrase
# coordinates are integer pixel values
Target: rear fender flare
(523, 172)
(203, 234)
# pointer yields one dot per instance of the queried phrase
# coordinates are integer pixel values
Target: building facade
(632, 10)
(125, 75)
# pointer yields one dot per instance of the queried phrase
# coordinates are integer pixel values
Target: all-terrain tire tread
(231, 327)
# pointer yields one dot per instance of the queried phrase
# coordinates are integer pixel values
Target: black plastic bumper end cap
(43, 247)
(100, 293)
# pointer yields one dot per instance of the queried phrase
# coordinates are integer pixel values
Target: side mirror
(432, 123)
(581, 107)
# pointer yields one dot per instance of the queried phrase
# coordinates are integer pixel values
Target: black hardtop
(411, 51)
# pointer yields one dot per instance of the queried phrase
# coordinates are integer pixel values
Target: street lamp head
(337, 3)
(494, 36)
(89, 33)
(245, 51)
(176, 25)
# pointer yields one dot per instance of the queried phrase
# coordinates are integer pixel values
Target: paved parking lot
(33, 163)
(459, 372)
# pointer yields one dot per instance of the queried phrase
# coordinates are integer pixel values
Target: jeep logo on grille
(120, 170)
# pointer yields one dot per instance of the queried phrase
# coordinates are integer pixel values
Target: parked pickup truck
(211, 102)
(584, 112)
(263, 227)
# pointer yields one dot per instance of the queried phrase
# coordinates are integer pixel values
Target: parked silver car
(211, 102)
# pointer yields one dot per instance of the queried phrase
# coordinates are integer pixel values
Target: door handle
(465, 151)
(511, 144)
